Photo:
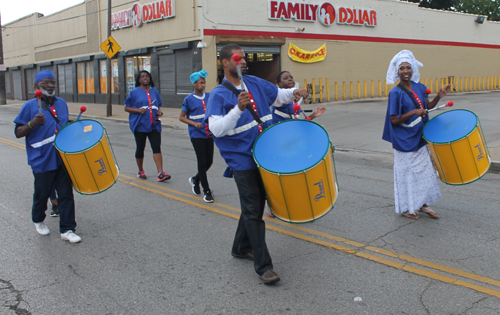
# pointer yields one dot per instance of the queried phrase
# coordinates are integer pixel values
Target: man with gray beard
(40, 130)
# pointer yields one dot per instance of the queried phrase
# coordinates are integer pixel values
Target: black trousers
(140, 141)
(251, 231)
(204, 149)
(44, 185)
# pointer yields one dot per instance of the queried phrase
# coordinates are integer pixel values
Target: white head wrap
(403, 56)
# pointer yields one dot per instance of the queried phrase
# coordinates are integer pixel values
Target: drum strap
(249, 106)
(412, 97)
(51, 110)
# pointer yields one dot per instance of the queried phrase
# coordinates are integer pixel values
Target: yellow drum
(457, 146)
(84, 148)
(295, 159)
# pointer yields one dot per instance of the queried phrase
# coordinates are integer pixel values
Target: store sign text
(325, 13)
(143, 13)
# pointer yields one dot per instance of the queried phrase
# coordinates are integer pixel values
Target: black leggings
(204, 149)
(140, 141)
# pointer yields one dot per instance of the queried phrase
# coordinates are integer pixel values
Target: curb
(495, 167)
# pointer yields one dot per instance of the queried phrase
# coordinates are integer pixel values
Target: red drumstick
(428, 91)
(82, 109)
(38, 95)
(449, 104)
(237, 59)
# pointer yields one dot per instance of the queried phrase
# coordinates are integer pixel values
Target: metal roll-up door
(166, 65)
(18, 85)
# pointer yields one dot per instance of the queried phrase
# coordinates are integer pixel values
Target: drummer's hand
(159, 113)
(243, 100)
(38, 120)
(142, 111)
(420, 112)
(298, 93)
(443, 92)
(318, 112)
(198, 125)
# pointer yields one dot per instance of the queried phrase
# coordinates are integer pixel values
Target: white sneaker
(41, 228)
(71, 237)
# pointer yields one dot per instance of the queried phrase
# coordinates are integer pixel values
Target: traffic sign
(110, 47)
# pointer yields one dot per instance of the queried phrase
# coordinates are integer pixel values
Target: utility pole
(3, 97)
(109, 108)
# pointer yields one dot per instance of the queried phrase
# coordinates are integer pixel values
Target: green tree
(490, 8)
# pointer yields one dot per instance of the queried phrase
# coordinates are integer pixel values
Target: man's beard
(46, 93)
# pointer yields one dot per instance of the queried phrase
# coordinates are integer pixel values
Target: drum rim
(463, 137)
(86, 149)
(330, 145)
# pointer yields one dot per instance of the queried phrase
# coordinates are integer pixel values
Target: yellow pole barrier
(364, 89)
(343, 90)
(327, 90)
(437, 85)
(351, 91)
(385, 88)
(373, 89)
(379, 88)
(358, 88)
(392, 86)
(313, 91)
(305, 84)
(461, 84)
(431, 83)
(320, 90)
(336, 91)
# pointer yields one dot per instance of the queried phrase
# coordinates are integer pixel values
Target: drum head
(79, 136)
(291, 146)
(450, 126)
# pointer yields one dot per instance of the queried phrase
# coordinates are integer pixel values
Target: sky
(12, 10)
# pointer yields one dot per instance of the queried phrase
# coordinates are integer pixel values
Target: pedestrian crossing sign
(110, 47)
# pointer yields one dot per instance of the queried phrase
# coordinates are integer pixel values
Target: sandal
(413, 216)
(427, 210)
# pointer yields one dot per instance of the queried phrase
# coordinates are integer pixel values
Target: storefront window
(133, 66)
(85, 77)
(103, 78)
(30, 80)
(65, 78)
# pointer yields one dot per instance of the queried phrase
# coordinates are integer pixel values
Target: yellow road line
(360, 246)
(12, 143)
(375, 258)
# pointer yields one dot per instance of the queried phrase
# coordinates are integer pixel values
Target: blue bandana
(197, 75)
(44, 74)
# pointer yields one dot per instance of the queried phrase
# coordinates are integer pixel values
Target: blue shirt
(279, 113)
(403, 137)
(193, 107)
(42, 155)
(237, 149)
(138, 98)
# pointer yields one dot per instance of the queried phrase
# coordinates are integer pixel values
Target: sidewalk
(170, 119)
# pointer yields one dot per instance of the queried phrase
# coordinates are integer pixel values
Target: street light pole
(109, 108)
(3, 96)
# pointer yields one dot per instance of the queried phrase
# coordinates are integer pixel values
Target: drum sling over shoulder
(249, 107)
(409, 94)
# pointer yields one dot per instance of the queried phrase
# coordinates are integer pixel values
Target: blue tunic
(405, 138)
(193, 107)
(237, 149)
(42, 155)
(284, 110)
(138, 98)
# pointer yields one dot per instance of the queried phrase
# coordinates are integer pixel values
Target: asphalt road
(154, 248)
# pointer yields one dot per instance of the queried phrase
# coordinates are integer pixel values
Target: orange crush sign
(300, 55)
